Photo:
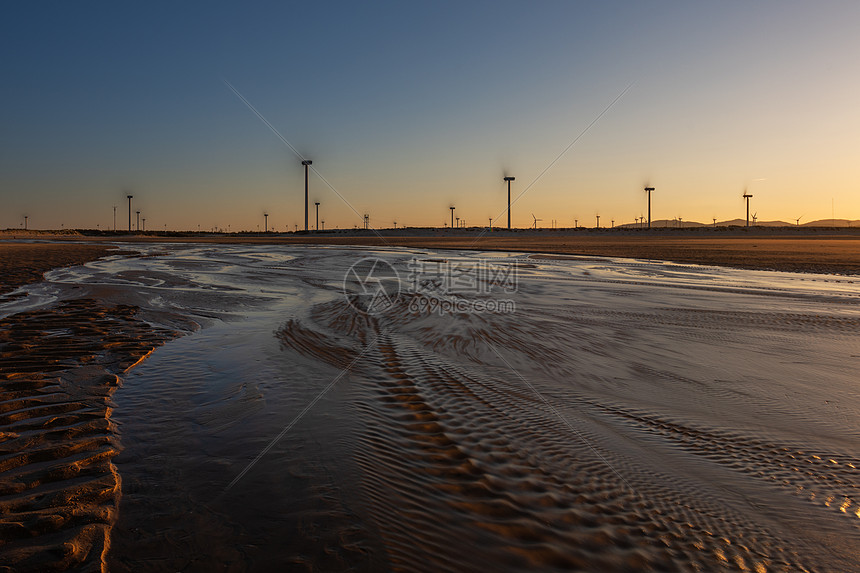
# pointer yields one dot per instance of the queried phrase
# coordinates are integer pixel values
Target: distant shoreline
(793, 249)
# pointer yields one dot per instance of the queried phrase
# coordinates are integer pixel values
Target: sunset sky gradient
(408, 108)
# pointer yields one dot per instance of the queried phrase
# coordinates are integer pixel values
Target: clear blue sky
(407, 108)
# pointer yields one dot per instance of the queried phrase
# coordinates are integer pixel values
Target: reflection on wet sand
(628, 416)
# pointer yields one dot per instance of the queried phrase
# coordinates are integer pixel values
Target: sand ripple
(467, 468)
(58, 488)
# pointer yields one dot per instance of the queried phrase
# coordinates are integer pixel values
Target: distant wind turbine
(747, 197)
(648, 191)
(508, 179)
(797, 221)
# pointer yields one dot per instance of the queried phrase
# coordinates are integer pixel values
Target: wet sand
(59, 368)
(24, 263)
(629, 416)
(811, 250)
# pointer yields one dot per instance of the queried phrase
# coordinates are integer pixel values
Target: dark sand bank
(59, 367)
(24, 263)
(816, 250)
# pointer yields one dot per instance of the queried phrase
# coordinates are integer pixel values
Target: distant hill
(832, 223)
(673, 224)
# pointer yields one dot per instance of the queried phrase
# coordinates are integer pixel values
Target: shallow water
(628, 415)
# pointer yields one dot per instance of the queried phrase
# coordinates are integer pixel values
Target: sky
(408, 108)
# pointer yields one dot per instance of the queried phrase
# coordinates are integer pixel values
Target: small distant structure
(452, 216)
(536, 220)
(114, 218)
(265, 222)
(508, 180)
(25, 221)
(317, 204)
(366, 221)
(797, 221)
(138, 220)
(598, 221)
(755, 216)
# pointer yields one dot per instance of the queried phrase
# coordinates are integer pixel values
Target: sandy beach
(207, 405)
(816, 250)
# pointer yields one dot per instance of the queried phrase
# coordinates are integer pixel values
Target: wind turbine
(747, 197)
(266, 222)
(648, 191)
(306, 163)
(452, 215)
(755, 216)
(797, 221)
(598, 221)
(129, 211)
(536, 220)
(509, 179)
(317, 204)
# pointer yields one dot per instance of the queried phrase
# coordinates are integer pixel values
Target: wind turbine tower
(317, 203)
(452, 216)
(129, 212)
(747, 197)
(265, 222)
(114, 218)
(648, 190)
(138, 220)
(306, 163)
(509, 179)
